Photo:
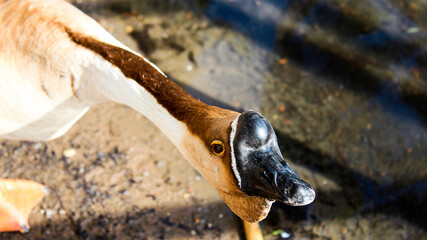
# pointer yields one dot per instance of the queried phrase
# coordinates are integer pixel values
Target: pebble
(220, 215)
(412, 30)
(37, 145)
(193, 232)
(186, 195)
(69, 152)
(62, 212)
(189, 67)
(165, 35)
(283, 61)
(188, 15)
(129, 29)
(285, 234)
(161, 163)
(49, 213)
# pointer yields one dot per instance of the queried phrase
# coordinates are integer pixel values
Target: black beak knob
(260, 166)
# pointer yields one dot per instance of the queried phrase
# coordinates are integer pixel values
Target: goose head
(240, 157)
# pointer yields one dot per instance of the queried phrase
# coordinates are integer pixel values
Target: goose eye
(218, 148)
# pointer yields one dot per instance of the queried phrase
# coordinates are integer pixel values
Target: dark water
(344, 83)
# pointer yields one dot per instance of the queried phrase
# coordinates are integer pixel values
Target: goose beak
(272, 178)
(259, 166)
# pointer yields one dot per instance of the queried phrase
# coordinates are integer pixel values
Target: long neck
(134, 81)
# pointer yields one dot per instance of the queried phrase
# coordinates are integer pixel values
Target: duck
(56, 63)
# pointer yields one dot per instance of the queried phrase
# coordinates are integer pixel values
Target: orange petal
(17, 199)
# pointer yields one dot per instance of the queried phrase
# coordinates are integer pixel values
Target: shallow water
(342, 82)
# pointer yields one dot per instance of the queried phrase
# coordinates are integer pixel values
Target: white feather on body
(47, 82)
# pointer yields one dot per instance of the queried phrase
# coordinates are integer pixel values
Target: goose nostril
(268, 174)
(272, 178)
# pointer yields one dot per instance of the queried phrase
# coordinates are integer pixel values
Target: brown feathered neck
(181, 105)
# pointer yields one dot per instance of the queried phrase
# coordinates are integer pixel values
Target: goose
(56, 62)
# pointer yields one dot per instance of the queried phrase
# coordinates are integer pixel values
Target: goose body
(56, 62)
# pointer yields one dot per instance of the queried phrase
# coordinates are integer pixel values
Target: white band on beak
(233, 157)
